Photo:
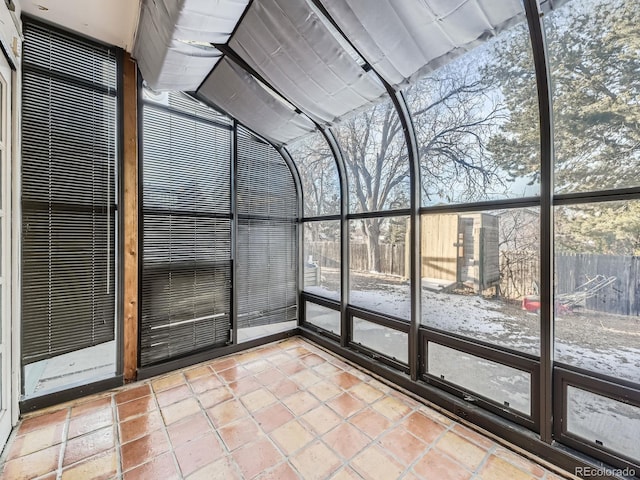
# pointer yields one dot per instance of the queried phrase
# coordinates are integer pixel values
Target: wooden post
(130, 211)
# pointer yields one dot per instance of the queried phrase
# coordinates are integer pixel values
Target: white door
(5, 252)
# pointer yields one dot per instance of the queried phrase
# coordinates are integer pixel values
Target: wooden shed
(460, 249)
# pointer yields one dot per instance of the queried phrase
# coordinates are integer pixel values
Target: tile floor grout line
(434, 446)
(166, 432)
(316, 438)
(272, 441)
(396, 425)
(399, 422)
(345, 463)
(227, 453)
(63, 446)
(117, 442)
(429, 446)
(485, 460)
(286, 456)
(295, 417)
(135, 417)
(345, 420)
(210, 420)
(238, 399)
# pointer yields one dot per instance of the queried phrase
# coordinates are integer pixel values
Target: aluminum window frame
(601, 385)
(493, 353)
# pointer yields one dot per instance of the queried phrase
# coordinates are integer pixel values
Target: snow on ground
(497, 322)
(323, 292)
(595, 418)
(622, 363)
(444, 311)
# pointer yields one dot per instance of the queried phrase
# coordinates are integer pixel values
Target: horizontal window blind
(69, 153)
(266, 272)
(265, 184)
(186, 223)
(267, 240)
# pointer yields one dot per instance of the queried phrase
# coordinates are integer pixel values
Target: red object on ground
(531, 303)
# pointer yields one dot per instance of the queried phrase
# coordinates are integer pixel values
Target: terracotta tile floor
(285, 410)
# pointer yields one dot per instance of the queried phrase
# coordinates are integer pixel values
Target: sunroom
(320, 239)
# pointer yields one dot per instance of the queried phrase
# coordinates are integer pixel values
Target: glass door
(5, 252)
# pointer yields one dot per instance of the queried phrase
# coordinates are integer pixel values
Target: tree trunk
(372, 231)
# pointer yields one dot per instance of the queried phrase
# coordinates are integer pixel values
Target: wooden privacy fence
(622, 297)
(519, 273)
(327, 254)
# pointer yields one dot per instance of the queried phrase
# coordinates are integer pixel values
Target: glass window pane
(593, 57)
(505, 385)
(322, 258)
(323, 317)
(476, 121)
(597, 281)
(606, 422)
(319, 175)
(387, 341)
(376, 158)
(378, 268)
(480, 276)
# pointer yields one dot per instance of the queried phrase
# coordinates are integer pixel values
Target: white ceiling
(110, 21)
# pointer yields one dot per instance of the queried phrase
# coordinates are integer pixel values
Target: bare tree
(377, 169)
(519, 246)
(320, 182)
(454, 113)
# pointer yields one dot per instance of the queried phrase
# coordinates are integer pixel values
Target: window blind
(69, 153)
(186, 222)
(267, 239)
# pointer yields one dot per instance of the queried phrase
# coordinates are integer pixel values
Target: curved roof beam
(402, 110)
(344, 235)
(335, 149)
